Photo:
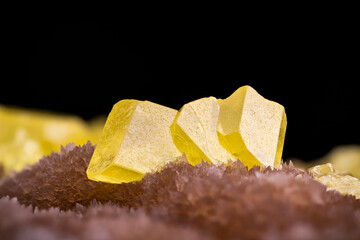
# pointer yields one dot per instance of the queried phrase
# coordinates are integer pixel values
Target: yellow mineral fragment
(136, 140)
(345, 184)
(194, 132)
(252, 128)
(345, 159)
(27, 135)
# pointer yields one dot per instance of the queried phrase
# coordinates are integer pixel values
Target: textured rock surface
(194, 132)
(92, 223)
(60, 180)
(252, 128)
(136, 140)
(205, 201)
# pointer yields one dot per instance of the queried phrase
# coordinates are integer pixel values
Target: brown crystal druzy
(180, 202)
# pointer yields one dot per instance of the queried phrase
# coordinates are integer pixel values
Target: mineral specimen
(252, 128)
(345, 184)
(27, 135)
(345, 159)
(136, 140)
(207, 199)
(194, 132)
(140, 136)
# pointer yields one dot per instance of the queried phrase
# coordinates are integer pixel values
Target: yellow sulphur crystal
(194, 132)
(345, 159)
(141, 136)
(136, 140)
(345, 184)
(252, 128)
(27, 135)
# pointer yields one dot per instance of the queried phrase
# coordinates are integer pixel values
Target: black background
(84, 65)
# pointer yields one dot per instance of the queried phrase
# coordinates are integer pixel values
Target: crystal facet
(136, 140)
(345, 184)
(140, 136)
(194, 132)
(252, 128)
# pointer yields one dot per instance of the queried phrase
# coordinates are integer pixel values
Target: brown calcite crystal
(204, 201)
(92, 223)
(60, 180)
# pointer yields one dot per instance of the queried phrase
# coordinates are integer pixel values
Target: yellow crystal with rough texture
(252, 128)
(345, 159)
(27, 135)
(194, 132)
(345, 184)
(136, 140)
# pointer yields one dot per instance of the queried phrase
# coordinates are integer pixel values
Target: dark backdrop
(84, 65)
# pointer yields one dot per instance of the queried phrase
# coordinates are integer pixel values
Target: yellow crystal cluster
(25, 136)
(345, 184)
(141, 136)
